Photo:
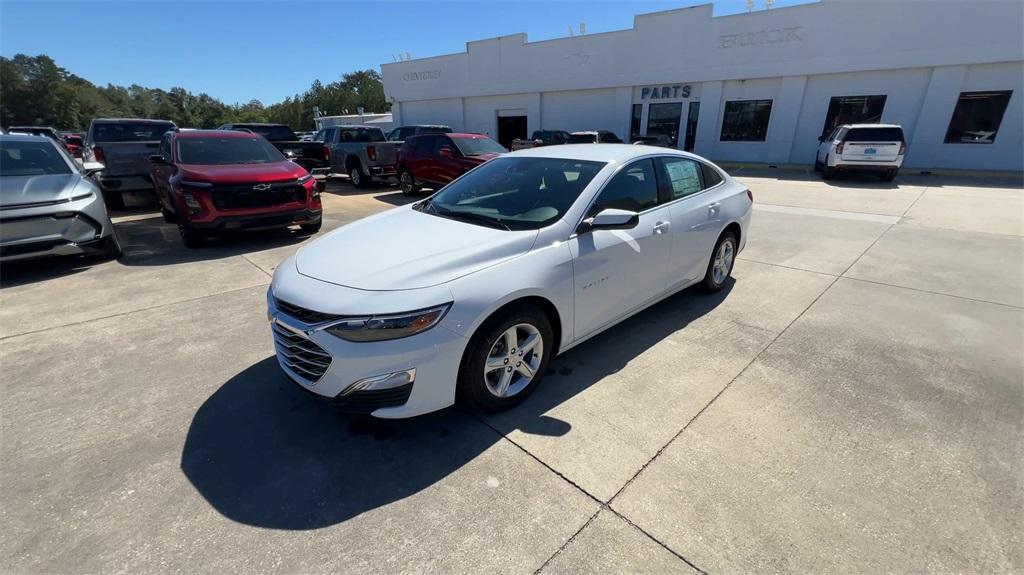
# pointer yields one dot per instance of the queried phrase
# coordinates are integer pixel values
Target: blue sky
(239, 50)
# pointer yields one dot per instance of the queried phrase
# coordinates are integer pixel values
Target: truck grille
(302, 314)
(244, 196)
(300, 354)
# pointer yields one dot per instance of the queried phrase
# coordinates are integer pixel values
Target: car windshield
(478, 146)
(220, 151)
(514, 193)
(40, 158)
(272, 133)
(130, 132)
(582, 138)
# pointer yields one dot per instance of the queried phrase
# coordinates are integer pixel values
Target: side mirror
(445, 152)
(90, 168)
(157, 159)
(610, 219)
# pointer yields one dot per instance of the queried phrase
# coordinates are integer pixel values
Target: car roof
(871, 126)
(617, 153)
(30, 128)
(25, 138)
(353, 126)
(215, 134)
(255, 124)
(461, 135)
(132, 121)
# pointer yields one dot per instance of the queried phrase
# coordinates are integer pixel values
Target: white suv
(876, 148)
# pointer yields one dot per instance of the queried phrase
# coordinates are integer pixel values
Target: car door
(423, 164)
(161, 173)
(695, 208)
(450, 166)
(618, 271)
(336, 162)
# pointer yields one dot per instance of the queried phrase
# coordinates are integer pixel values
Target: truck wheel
(311, 228)
(113, 199)
(407, 183)
(888, 176)
(827, 171)
(356, 176)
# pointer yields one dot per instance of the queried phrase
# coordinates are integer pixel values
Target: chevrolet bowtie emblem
(261, 187)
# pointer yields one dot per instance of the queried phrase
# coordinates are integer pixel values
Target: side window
(711, 176)
(406, 132)
(442, 142)
(682, 176)
(609, 138)
(424, 144)
(634, 188)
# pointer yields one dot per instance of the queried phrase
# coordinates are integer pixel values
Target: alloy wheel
(724, 258)
(513, 360)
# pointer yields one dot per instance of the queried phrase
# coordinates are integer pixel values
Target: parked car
(436, 159)
(660, 140)
(401, 133)
(313, 156)
(47, 131)
(48, 203)
(214, 181)
(594, 137)
(73, 143)
(359, 151)
(541, 138)
(873, 148)
(123, 146)
(528, 255)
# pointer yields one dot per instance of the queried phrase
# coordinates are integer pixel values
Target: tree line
(35, 91)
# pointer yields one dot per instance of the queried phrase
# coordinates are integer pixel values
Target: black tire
(107, 249)
(472, 387)
(113, 199)
(828, 172)
(191, 237)
(711, 284)
(357, 177)
(888, 176)
(407, 183)
(817, 165)
(311, 228)
(169, 216)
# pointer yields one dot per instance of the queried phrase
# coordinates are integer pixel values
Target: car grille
(300, 354)
(302, 314)
(244, 196)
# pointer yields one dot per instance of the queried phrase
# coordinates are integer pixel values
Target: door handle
(660, 227)
(713, 208)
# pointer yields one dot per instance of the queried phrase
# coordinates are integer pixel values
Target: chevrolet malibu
(469, 293)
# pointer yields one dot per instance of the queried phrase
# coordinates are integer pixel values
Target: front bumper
(251, 222)
(328, 366)
(69, 228)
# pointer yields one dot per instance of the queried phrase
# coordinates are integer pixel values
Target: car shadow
(266, 453)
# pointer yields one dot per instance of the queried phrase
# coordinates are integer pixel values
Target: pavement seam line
(568, 541)
(655, 539)
(786, 267)
(74, 323)
(244, 257)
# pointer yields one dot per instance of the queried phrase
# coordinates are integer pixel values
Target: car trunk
(872, 144)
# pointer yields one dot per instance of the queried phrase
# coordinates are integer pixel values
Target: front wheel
(407, 183)
(506, 359)
(191, 237)
(722, 259)
(311, 228)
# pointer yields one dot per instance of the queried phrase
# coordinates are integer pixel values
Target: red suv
(213, 181)
(436, 159)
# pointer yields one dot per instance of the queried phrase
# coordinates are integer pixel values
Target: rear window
(362, 135)
(272, 133)
(435, 130)
(582, 138)
(31, 159)
(130, 132)
(874, 135)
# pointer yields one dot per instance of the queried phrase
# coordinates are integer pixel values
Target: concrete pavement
(854, 401)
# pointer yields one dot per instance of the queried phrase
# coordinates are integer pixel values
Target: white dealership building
(757, 87)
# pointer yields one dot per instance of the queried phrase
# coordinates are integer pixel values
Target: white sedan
(469, 293)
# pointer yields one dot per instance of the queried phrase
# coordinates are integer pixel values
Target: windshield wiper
(472, 217)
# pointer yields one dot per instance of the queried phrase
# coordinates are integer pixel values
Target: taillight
(750, 195)
(371, 152)
(327, 153)
(839, 147)
(97, 155)
(903, 147)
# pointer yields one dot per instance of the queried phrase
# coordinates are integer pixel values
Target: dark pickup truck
(313, 156)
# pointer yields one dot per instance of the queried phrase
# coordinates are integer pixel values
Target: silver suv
(48, 203)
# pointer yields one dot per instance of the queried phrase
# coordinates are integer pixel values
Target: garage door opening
(510, 128)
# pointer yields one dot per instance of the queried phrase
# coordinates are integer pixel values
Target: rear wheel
(506, 359)
(888, 176)
(357, 177)
(311, 228)
(722, 259)
(828, 172)
(407, 183)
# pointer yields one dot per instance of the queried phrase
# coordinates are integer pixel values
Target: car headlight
(305, 179)
(394, 326)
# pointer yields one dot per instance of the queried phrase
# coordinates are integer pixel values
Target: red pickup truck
(214, 181)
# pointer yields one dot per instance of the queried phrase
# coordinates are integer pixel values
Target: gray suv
(49, 204)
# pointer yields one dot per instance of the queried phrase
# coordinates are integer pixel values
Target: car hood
(242, 173)
(405, 249)
(19, 190)
(481, 158)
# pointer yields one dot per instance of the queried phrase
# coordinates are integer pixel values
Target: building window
(976, 117)
(746, 121)
(664, 119)
(852, 110)
(634, 124)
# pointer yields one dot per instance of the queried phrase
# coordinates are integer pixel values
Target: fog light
(385, 381)
(191, 201)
